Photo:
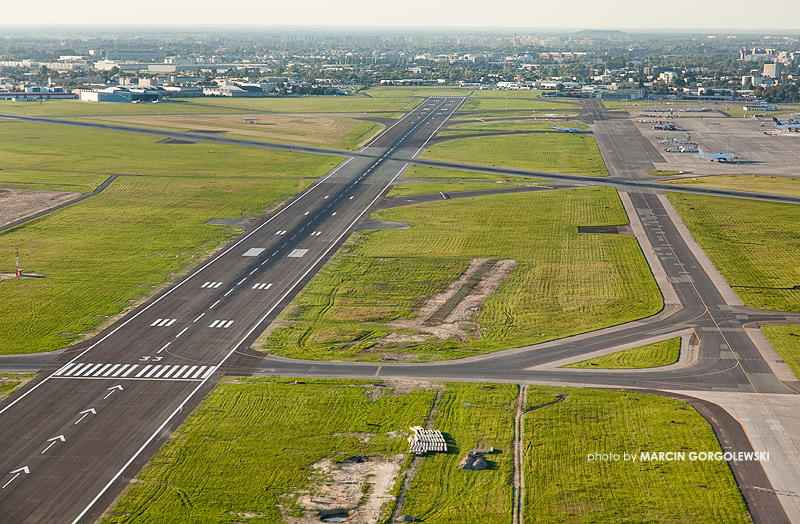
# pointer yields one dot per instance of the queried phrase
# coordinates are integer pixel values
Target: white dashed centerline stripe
(198, 318)
(212, 307)
(182, 332)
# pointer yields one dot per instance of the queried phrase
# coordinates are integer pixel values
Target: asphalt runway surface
(71, 440)
(110, 405)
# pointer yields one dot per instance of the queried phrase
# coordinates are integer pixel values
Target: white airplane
(567, 129)
(788, 126)
(722, 157)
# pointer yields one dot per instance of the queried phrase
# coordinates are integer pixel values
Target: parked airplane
(567, 129)
(722, 157)
(788, 125)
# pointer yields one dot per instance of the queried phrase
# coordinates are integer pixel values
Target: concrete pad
(771, 423)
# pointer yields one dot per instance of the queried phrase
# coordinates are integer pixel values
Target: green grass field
(422, 188)
(50, 180)
(563, 486)
(511, 125)
(499, 93)
(786, 340)
(212, 105)
(760, 184)
(435, 173)
(565, 282)
(473, 416)
(755, 245)
(9, 383)
(552, 152)
(415, 91)
(319, 104)
(511, 104)
(78, 108)
(662, 172)
(250, 445)
(653, 355)
(323, 130)
(247, 451)
(106, 253)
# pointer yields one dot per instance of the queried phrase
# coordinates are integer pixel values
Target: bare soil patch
(450, 314)
(339, 489)
(20, 203)
(624, 229)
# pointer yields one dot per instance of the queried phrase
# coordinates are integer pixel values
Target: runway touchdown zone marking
(211, 285)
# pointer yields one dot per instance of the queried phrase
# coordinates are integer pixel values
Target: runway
(74, 436)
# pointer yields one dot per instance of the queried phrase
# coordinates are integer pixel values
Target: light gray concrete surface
(772, 423)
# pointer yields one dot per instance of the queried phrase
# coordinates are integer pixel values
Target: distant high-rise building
(773, 70)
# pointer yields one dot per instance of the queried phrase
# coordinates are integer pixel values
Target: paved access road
(71, 441)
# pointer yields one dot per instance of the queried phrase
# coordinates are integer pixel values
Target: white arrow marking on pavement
(112, 390)
(85, 413)
(52, 442)
(18, 472)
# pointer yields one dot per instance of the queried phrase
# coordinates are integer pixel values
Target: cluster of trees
(778, 93)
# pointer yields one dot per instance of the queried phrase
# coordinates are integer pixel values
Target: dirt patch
(176, 141)
(473, 462)
(16, 204)
(612, 230)
(450, 314)
(340, 490)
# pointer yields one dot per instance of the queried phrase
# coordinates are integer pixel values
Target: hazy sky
(734, 14)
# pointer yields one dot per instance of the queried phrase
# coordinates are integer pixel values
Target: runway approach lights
(17, 270)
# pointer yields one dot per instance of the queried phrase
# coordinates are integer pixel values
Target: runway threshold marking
(148, 372)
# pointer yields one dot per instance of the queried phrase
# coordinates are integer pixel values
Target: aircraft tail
(554, 126)
(777, 122)
(700, 151)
